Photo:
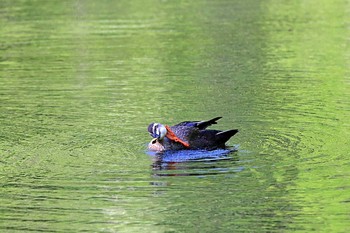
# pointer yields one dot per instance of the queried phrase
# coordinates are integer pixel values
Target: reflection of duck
(188, 135)
(195, 162)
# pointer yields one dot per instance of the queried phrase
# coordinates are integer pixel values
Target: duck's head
(157, 130)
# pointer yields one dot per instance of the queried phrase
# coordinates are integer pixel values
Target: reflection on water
(81, 80)
(192, 162)
(196, 168)
(191, 155)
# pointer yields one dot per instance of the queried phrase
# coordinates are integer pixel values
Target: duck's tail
(224, 136)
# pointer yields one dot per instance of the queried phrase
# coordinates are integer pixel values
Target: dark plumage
(195, 133)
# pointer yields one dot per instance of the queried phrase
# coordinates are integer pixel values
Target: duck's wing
(199, 124)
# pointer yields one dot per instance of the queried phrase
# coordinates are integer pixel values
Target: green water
(81, 80)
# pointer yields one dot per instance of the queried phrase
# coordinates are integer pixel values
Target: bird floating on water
(192, 135)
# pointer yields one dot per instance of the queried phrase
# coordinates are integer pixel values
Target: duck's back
(200, 139)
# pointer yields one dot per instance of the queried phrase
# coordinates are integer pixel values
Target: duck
(192, 135)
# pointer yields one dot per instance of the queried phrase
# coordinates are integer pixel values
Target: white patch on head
(155, 127)
(161, 131)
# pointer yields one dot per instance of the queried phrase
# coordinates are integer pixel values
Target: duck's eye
(154, 141)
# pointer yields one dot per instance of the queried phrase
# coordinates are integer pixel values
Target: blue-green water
(81, 80)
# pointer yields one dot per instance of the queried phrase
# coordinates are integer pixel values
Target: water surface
(81, 80)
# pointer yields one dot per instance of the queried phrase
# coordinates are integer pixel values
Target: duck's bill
(154, 135)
